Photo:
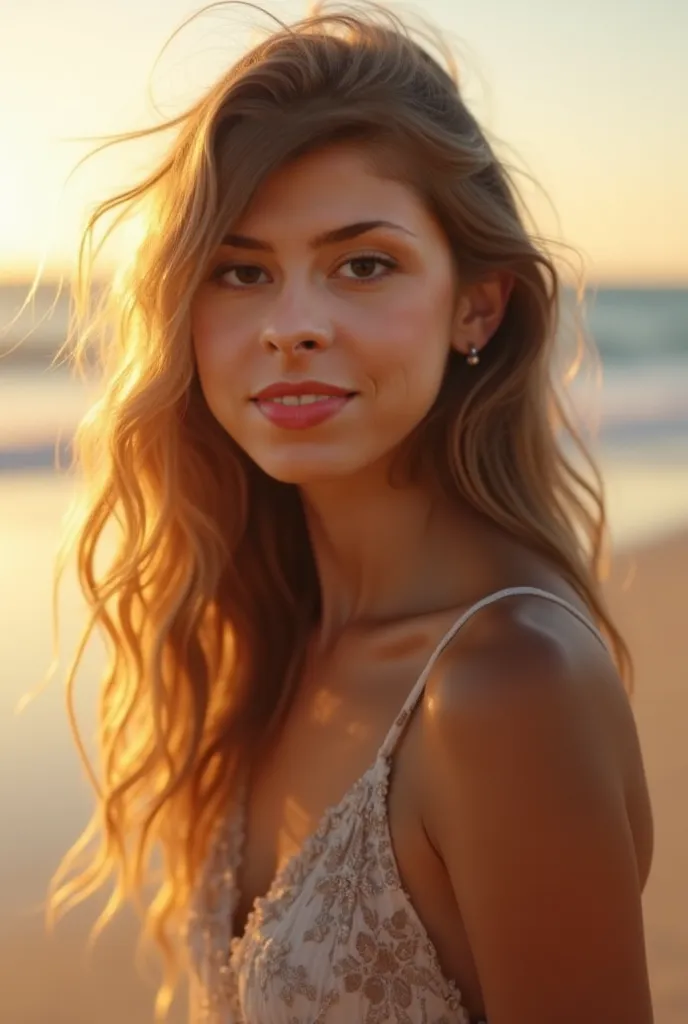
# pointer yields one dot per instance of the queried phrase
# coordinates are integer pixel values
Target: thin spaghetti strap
(414, 696)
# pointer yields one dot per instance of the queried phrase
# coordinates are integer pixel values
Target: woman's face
(323, 328)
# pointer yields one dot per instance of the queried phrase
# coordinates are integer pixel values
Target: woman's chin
(302, 476)
(302, 471)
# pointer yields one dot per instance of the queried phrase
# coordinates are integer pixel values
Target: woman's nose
(295, 339)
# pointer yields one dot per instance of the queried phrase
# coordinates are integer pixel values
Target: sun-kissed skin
(518, 805)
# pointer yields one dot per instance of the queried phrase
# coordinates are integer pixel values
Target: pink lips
(297, 406)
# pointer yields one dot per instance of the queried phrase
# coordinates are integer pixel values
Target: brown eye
(246, 274)
(363, 267)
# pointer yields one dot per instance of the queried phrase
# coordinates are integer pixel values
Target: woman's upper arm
(526, 807)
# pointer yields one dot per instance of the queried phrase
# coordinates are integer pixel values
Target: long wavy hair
(209, 592)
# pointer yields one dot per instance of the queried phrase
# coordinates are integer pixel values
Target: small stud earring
(473, 357)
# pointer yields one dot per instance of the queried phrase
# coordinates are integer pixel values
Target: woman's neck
(384, 552)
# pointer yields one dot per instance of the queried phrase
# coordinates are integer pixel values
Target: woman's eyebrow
(342, 234)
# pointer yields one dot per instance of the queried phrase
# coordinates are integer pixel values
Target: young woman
(364, 702)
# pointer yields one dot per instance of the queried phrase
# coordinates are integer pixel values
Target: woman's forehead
(327, 189)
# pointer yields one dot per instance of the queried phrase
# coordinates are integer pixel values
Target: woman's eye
(363, 267)
(242, 276)
(246, 274)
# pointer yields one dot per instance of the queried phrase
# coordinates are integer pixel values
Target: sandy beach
(648, 596)
(50, 980)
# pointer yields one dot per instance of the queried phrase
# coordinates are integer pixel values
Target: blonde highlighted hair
(210, 593)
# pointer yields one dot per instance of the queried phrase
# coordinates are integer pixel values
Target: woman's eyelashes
(366, 260)
(248, 270)
(247, 275)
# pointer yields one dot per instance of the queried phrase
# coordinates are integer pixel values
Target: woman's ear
(480, 310)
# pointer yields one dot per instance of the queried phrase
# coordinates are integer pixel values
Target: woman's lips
(301, 411)
(298, 405)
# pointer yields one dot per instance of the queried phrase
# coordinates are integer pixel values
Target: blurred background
(589, 99)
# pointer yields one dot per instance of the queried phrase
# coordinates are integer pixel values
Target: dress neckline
(303, 855)
(381, 765)
(372, 785)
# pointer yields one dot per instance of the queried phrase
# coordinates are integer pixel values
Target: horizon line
(54, 277)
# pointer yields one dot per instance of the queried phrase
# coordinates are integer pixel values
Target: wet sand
(47, 981)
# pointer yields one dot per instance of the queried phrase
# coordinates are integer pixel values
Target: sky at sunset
(589, 96)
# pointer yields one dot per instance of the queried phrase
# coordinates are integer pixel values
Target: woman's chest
(331, 850)
(330, 739)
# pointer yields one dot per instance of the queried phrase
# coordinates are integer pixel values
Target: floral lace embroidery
(335, 939)
(384, 967)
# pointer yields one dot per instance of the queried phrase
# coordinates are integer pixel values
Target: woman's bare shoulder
(524, 728)
(527, 671)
